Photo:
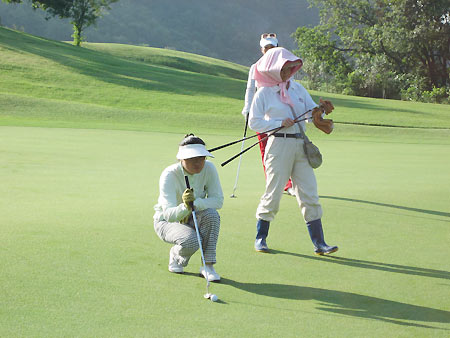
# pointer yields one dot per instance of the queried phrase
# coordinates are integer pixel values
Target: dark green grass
(45, 69)
(174, 59)
(139, 88)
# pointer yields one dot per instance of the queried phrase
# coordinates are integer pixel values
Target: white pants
(184, 237)
(284, 159)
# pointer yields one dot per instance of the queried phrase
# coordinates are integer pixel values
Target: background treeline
(383, 48)
(228, 30)
(387, 49)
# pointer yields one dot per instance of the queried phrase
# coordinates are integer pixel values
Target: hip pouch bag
(312, 152)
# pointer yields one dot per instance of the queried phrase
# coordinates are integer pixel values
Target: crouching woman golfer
(173, 220)
(277, 103)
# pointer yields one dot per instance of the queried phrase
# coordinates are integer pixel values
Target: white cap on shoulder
(268, 41)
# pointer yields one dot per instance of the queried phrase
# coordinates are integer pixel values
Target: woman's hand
(188, 198)
(288, 122)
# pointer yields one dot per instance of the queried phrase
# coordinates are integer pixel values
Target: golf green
(79, 256)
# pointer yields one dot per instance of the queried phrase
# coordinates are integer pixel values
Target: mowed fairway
(79, 256)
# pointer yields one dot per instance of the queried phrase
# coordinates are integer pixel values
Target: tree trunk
(77, 29)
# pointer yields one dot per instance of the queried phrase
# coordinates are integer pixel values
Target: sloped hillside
(113, 84)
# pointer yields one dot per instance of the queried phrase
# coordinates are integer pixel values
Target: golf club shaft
(194, 217)
(234, 142)
(248, 148)
(240, 159)
(261, 140)
(249, 137)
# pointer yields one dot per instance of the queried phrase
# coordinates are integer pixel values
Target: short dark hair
(191, 139)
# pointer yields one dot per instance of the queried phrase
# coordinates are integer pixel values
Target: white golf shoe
(213, 276)
(173, 264)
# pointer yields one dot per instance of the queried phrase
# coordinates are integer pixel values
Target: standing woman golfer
(278, 101)
(267, 42)
(173, 221)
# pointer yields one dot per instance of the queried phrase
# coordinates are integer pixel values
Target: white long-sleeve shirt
(207, 192)
(268, 112)
(250, 90)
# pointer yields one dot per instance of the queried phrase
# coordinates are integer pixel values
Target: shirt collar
(276, 88)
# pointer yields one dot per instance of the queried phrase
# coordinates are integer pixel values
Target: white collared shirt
(268, 112)
(207, 191)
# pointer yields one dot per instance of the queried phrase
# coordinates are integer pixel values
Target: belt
(297, 135)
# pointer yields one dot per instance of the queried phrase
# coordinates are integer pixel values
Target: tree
(324, 63)
(408, 39)
(82, 12)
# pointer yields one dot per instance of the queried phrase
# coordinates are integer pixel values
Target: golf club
(272, 131)
(207, 295)
(234, 142)
(249, 137)
(240, 159)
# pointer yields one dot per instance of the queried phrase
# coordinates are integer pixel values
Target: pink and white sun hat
(268, 68)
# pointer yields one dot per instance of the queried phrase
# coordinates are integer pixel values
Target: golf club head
(233, 196)
(211, 297)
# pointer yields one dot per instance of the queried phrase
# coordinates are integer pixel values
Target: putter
(207, 295)
(240, 159)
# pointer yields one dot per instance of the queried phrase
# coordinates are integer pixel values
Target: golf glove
(188, 198)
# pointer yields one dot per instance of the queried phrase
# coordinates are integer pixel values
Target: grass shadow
(372, 105)
(382, 113)
(120, 71)
(190, 65)
(349, 304)
(424, 211)
(358, 263)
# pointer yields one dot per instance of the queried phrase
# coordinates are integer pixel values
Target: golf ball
(213, 298)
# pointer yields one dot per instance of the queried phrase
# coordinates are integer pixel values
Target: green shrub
(411, 93)
(436, 95)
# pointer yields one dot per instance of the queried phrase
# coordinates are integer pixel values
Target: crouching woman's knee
(210, 218)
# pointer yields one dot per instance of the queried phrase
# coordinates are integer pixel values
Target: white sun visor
(192, 150)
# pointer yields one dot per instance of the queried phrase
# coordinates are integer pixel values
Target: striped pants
(184, 237)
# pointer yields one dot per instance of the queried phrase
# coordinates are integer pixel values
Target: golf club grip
(246, 125)
(186, 179)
